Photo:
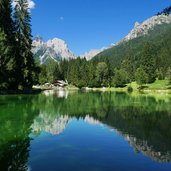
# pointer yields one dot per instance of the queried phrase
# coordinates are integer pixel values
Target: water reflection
(16, 117)
(155, 145)
(143, 121)
(49, 124)
(59, 93)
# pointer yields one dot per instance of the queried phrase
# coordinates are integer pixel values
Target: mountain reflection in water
(143, 121)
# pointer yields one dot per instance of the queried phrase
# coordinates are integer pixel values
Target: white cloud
(31, 3)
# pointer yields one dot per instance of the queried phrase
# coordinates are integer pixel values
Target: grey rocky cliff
(146, 26)
(89, 55)
(55, 49)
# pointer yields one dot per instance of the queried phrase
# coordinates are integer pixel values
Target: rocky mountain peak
(89, 55)
(55, 49)
(56, 43)
(137, 24)
(146, 26)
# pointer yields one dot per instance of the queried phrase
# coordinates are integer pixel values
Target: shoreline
(111, 89)
(40, 89)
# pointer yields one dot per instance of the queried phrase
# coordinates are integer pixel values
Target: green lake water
(63, 131)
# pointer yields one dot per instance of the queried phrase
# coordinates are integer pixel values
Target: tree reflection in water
(144, 121)
(16, 117)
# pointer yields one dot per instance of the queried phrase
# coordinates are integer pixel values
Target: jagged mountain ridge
(141, 29)
(89, 55)
(55, 49)
(156, 33)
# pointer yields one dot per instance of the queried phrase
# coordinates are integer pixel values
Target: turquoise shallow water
(85, 131)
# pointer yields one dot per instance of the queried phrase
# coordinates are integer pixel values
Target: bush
(130, 89)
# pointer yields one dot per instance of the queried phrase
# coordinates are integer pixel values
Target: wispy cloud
(31, 3)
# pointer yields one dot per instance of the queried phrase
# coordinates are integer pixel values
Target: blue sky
(90, 24)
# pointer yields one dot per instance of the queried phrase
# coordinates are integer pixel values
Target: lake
(95, 131)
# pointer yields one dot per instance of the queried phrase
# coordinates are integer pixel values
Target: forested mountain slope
(160, 40)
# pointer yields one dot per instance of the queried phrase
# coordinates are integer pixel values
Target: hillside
(159, 37)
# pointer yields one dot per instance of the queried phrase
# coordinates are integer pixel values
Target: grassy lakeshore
(159, 86)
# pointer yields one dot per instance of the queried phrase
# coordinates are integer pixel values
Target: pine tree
(141, 76)
(4, 57)
(127, 66)
(148, 61)
(74, 75)
(102, 74)
(110, 72)
(43, 74)
(6, 22)
(53, 71)
(84, 74)
(91, 74)
(7, 43)
(64, 69)
(25, 64)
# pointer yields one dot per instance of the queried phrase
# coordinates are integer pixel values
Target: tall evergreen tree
(6, 22)
(141, 76)
(4, 51)
(128, 66)
(25, 64)
(7, 42)
(91, 74)
(64, 69)
(148, 61)
(74, 75)
(43, 74)
(102, 74)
